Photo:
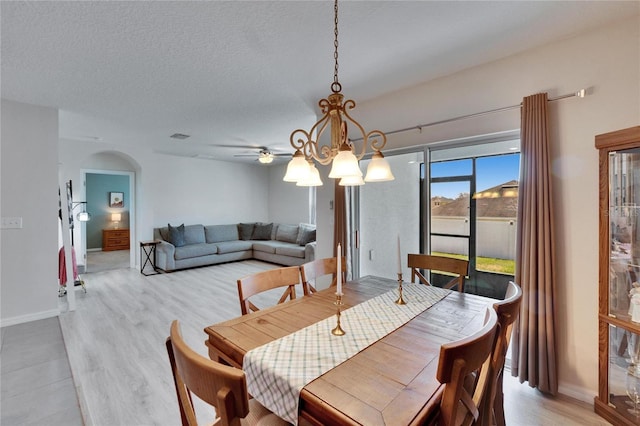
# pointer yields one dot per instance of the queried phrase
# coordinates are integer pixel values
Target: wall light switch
(11, 223)
(372, 255)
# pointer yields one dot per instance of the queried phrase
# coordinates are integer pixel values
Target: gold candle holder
(338, 331)
(400, 300)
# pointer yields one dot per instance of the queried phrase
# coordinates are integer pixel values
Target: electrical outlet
(11, 223)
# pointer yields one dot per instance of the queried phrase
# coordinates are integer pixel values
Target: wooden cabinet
(619, 275)
(115, 239)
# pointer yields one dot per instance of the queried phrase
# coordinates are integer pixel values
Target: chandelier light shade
(351, 181)
(378, 169)
(341, 152)
(312, 177)
(297, 169)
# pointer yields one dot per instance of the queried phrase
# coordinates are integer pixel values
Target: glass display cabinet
(618, 398)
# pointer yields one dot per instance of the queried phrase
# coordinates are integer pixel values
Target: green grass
(487, 264)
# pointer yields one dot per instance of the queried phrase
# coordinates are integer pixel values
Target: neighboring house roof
(498, 201)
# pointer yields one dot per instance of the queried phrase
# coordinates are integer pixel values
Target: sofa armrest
(165, 259)
(310, 251)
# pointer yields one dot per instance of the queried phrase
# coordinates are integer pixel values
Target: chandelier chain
(335, 87)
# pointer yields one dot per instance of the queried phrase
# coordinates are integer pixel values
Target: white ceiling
(250, 72)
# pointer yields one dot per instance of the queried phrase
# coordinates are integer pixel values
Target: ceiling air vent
(180, 136)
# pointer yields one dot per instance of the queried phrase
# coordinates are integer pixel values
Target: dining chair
(438, 263)
(458, 360)
(251, 285)
(310, 271)
(507, 311)
(222, 386)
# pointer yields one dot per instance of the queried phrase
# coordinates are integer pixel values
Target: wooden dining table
(391, 382)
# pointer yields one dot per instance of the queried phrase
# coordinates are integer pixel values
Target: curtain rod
(580, 94)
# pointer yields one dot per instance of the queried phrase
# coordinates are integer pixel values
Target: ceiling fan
(263, 154)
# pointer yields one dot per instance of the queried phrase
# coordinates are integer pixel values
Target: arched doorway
(106, 177)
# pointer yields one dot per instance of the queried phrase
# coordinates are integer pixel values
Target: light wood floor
(115, 341)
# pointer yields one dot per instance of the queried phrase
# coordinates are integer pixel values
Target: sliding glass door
(451, 200)
(473, 212)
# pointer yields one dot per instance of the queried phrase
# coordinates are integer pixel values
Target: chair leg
(498, 402)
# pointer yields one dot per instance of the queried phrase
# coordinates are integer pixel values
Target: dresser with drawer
(115, 239)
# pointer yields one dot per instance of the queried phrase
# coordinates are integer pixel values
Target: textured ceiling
(250, 72)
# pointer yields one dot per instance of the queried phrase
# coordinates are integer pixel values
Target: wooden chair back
(416, 262)
(507, 311)
(310, 271)
(457, 361)
(221, 386)
(251, 285)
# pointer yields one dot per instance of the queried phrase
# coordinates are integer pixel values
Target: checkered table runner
(277, 372)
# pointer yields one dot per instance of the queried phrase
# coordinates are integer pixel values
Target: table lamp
(116, 217)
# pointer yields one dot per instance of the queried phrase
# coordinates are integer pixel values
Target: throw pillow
(287, 233)
(262, 231)
(245, 230)
(176, 235)
(306, 234)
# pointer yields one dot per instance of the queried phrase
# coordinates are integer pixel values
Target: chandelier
(342, 152)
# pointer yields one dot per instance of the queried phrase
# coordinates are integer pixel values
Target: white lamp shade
(351, 181)
(116, 217)
(265, 158)
(345, 164)
(298, 168)
(83, 216)
(312, 179)
(378, 169)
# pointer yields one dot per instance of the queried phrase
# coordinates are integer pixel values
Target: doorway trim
(132, 211)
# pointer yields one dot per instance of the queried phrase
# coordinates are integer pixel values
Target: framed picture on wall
(116, 199)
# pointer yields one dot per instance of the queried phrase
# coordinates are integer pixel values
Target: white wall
(288, 203)
(383, 200)
(29, 187)
(608, 61)
(171, 189)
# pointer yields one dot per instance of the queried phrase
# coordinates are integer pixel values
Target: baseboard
(84, 408)
(28, 318)
(577, 392)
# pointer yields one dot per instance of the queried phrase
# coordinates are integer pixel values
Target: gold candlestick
(338, 331)
(400, 300)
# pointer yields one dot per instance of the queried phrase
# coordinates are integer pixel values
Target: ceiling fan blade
(261, 148)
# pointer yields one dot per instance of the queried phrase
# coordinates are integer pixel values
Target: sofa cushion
(161, 233)
(233, 246)
(262, 231)
(220, 233)
(291, 250)
(306, 234)
(287, 233)
(195, 250)
(269, 246)
(193, 234)
(175, 235)
(245, 230)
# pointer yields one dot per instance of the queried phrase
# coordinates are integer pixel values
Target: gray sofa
(189, 246)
